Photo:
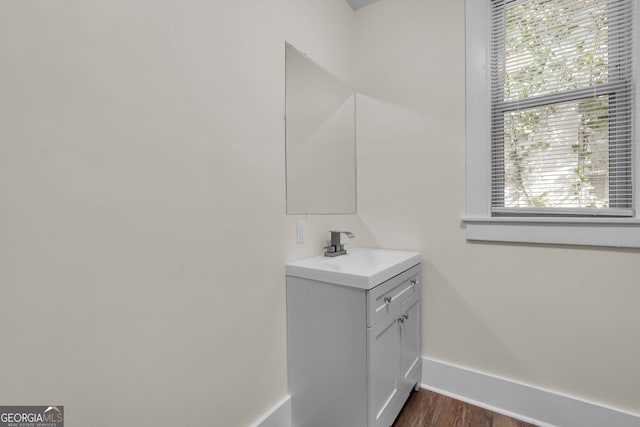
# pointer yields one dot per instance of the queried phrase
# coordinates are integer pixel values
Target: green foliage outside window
(556, 155)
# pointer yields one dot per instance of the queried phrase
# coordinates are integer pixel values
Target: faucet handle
(346, 233)
(335, 237)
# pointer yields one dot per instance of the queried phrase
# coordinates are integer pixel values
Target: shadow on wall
(400, 173)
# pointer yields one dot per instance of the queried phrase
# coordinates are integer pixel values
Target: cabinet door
(410, 366)
(383, 341)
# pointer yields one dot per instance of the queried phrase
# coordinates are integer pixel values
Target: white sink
(361, 267)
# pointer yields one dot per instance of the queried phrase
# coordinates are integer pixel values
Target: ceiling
(357, 4)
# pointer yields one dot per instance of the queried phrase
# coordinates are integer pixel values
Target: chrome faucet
(336, 248)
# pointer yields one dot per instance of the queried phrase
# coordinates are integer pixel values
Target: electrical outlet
(300, 231)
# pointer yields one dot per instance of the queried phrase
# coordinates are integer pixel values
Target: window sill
(610, 232)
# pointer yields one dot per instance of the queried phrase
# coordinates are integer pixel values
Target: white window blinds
(561, 103)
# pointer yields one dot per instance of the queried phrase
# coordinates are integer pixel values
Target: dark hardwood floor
(428, 409)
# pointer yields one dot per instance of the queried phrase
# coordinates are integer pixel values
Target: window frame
(478, 219)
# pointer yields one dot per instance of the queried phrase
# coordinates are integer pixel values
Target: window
(561, 107)
(551, 118)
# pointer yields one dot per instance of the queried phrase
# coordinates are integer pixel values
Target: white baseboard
(521, 401)
(278, 416)
(517, 400)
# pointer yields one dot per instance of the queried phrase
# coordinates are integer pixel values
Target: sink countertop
(360, 268)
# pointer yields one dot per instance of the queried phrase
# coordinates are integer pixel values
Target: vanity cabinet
(354, 339)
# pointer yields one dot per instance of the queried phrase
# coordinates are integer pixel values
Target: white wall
(142, 226)
(560, 318)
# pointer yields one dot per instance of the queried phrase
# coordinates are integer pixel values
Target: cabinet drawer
(386, 298)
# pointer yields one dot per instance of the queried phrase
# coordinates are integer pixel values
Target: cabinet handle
(401, 319)
(405, 316)
(387, 300)
(414, 281)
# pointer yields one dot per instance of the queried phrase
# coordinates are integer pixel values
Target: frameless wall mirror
(320, 139)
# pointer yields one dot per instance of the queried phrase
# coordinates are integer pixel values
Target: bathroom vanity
(354, 337)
